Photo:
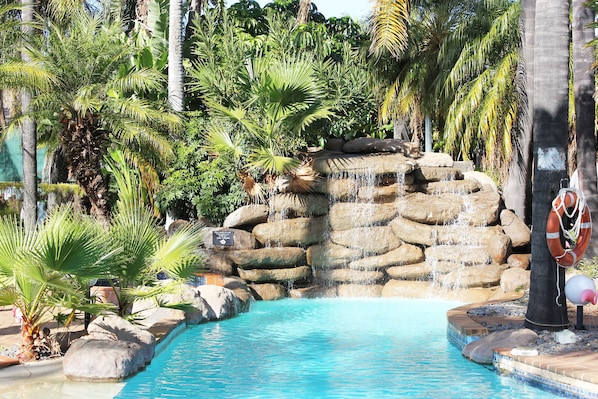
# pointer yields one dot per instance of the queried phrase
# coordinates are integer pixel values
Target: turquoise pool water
(323, 348)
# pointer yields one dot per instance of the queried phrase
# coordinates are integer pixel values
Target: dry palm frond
(252, 188)
(299, 180)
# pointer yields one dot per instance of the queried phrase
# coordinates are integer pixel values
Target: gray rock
(481, 351)
(364, 145)
(241, 239)
(221, 302)
(114, 328)
(99, 360)
(242, 291)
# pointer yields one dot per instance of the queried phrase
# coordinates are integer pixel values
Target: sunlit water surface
(323, 348)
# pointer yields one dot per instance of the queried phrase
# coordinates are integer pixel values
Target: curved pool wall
(340, 348)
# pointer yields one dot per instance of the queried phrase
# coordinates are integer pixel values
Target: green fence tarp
(11, 159)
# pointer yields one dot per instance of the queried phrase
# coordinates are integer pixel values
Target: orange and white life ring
(579, 235)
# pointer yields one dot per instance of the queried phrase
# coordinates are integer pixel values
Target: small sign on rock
(221, 237)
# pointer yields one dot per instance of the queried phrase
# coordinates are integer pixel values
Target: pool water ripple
(324, 348)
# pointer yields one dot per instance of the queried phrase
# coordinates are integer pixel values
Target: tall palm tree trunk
(547, 308)
(29, 138)
(303, 14)
(175, 56)
(583, 86)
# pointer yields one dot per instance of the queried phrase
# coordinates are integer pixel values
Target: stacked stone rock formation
(374, 223)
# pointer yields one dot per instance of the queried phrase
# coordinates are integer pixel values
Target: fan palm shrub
(46, 272)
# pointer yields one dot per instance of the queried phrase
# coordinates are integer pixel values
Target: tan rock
(515, 228)
(346, 215)
(330, 255)
(465, 186)
(409, 289)
(435, 174)
(515, 280)
(521, 261)
(481, 208)
(435, 160)
(403, 255)
(464, 254)
(314, 291)
(499, 248)
(272, 275)
(300, 205)
(349, 275)
(428, 209)
(360, 290)
(474, 276)
(292, 232)
(269, 291)
(248, 215)
(377, 164)
(418, 271)
(269, 258)
(372, 240)
(341, 189)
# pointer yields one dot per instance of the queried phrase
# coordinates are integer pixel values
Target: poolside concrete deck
(573, 374)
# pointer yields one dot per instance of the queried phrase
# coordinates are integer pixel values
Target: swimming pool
(323, 348)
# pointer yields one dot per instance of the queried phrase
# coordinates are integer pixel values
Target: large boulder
(474, 276)
(248, 215)
(515, 228)
(269, 291)
(99, 360)
(435, 160)
(242, 291)
(465, 186)
(341, 189)
(464, 254)
(515, 280)
(431, 174)
(300, 205)
(269, 258)
(332, 164)
(520, 261)
(359, 290)
(275, 275)
(403, 255)
(428, 209)
(348, 215)
(349, 275)
(366, 145)
(292, 232)
(482, 208)
(372, 240)
(482, 350)
(113, 350)
(221, 302)
(330, 254)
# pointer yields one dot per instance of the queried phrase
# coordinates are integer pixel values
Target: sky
(357, 9)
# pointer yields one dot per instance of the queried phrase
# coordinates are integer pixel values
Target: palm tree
(547, 308)
(96, 102)
(47, 271)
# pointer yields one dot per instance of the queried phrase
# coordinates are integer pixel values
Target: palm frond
(389, 27)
